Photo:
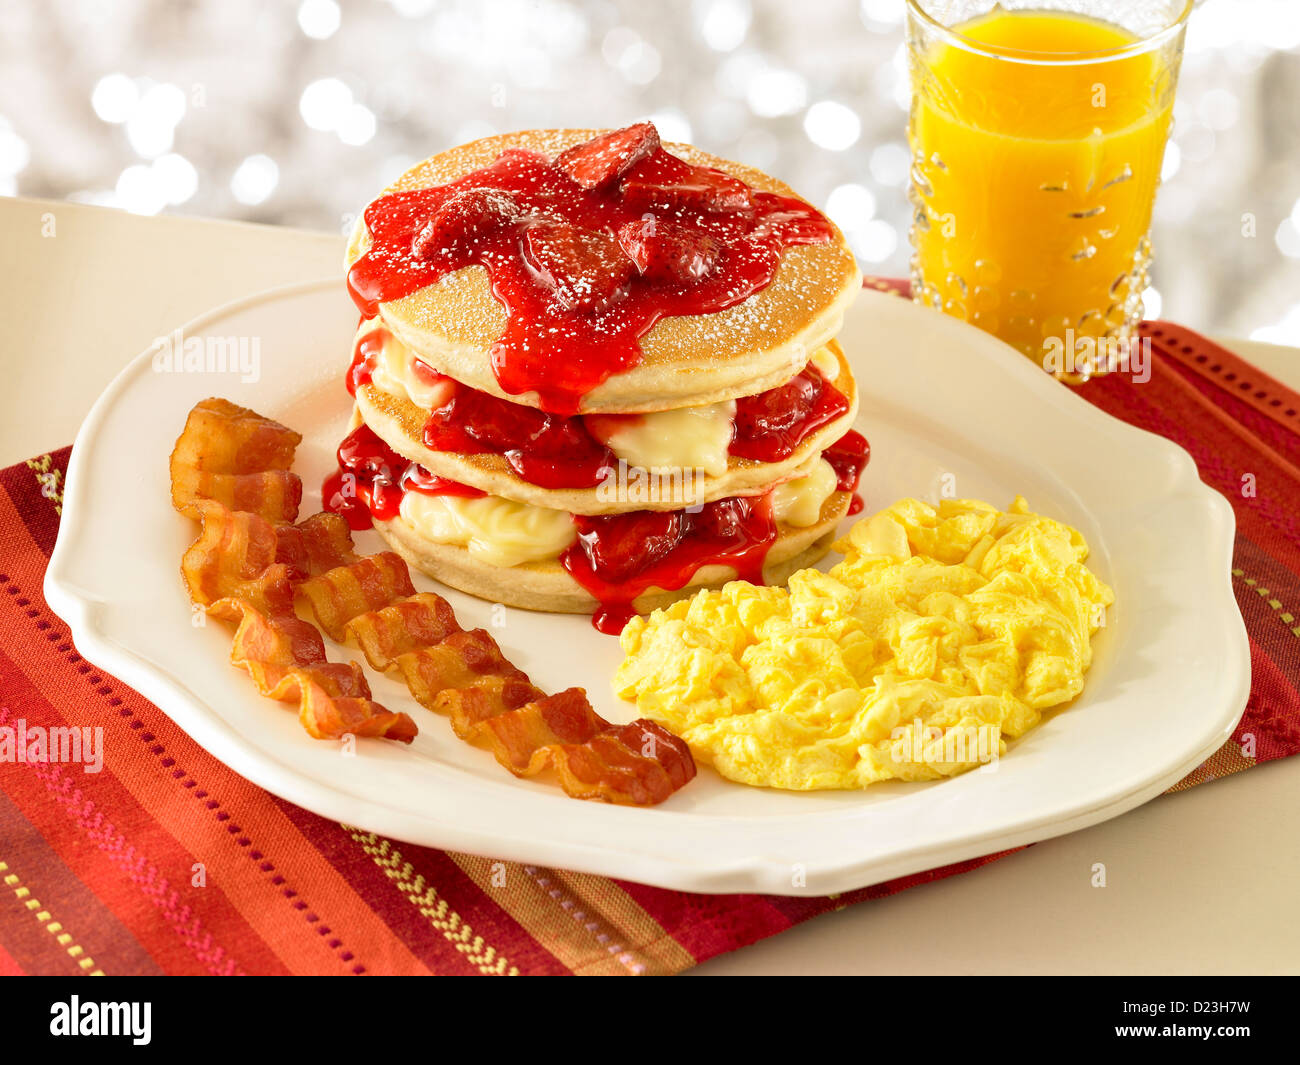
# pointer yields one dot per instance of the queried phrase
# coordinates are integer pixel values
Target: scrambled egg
(944, 631)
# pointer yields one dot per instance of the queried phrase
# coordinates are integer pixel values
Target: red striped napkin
(168, 862)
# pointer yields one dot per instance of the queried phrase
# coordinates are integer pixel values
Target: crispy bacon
(230, 471)
(521, 738)
(387, 634)
(326, 542)
(285, 656)
(237, 555)
(326, 717)
(232, 455)
(247, 560)
(370, 583)
(492, 703)
(614, 765)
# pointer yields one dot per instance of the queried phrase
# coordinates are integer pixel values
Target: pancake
(400, 423)
(547, 586)
(687, 361)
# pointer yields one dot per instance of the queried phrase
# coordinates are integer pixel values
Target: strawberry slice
(620, 545)
(596, 163)
(668, 251)
(702, 190)
(465, 217)
(586, 269)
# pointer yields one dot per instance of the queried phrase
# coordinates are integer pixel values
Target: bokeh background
(295, 112)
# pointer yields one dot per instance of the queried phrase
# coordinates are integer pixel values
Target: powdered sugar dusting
(459, 311)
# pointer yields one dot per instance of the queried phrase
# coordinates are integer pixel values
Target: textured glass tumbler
(1037, 130)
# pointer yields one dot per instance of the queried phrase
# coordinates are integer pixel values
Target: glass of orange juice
(1037, 130)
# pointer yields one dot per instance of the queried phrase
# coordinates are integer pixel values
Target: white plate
(940, 400)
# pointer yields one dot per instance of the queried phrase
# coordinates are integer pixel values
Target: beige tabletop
(1202, 881)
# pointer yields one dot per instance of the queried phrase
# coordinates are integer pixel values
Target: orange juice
(1037, 139)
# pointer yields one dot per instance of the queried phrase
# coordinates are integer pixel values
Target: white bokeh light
(883, 13)
(774, 92)
(114, 98)
(724, 23)
(631, 55)
(1287, 238)
(357, 125)
(1219, 109)
(413, 8)
(851, 206)
(875, 241)
(151, 129)
(14, 153)
(140, 190)
(324, 102)
(832, 125)
(890, 163)
(1287, 331)
(672, 125)
(1152, 302)
(319, 19)
(255, 179)
(177, 178)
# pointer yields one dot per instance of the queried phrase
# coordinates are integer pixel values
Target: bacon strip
(370, 583)
(491, 702)
(230, 472)
(232, 455)
(417, 621)
(285, 656)
(237, 556)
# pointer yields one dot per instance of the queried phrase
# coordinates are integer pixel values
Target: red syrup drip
(618, 557)
(771, 426)
(548, 450)
(848, 457)
(563, 352)
(365, 354)
(553, 451)
(372, 478)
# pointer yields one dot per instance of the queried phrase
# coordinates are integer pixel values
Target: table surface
(1202, 881)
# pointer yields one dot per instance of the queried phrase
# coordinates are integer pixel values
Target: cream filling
(501, 532)
(395, 372)
(828, 365)
(689, 438)
(799, 502)
(497, 531)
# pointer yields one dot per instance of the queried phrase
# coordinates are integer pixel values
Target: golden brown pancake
(547, 586)
(400, 424)
(687, 361)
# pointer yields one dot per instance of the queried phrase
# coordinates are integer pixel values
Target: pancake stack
(595, 373)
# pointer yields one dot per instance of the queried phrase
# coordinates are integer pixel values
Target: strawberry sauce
(771, 426)
(570, 257)
(372, 478)
(554, 451)
(848, 457)
(615, 557)
(365, 355)
(619, 556)
(548, 450)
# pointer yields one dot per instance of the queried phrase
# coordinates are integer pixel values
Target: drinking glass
(1037, 130)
